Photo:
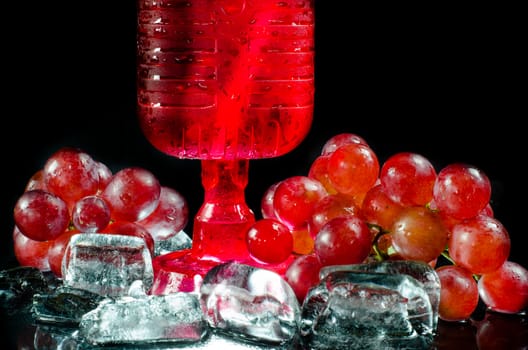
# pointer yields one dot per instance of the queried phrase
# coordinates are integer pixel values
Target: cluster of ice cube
(103, 300)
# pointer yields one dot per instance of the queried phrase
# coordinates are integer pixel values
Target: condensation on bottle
(221, 79)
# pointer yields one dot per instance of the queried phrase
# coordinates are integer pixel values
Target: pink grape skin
(408, 178)
(29, 252)
(353, 169)
(343, 240)
(418, 234)
(319, 171)
(378, 209)
(458, 293)
(36, 181)
(295, 198)
(56, 251)
(339, 140)
(302, 274)
(41, 215)
(170, 216)
(481, 244)
(505, 289)
(132, 194)
(329, 207)
(90, 214)
(269, 241)
(461, 190)
(266, 204)
(71, 174)
(105, 175)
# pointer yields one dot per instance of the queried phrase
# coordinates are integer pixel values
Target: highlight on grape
(349, 208)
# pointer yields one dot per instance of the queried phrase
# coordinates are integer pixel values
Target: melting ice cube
(106, 264)
(250, 303)
(367, 310)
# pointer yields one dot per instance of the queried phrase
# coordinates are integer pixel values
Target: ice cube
(106, 264)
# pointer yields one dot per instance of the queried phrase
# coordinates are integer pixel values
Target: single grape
(266, 204)
(133, 194)
(458, 293)
(461, 190)
(295, 198)
(303, 274)
(379, 209)
(339, 140)
(56, 251)
(170, 216)
(90, 214)
(29, 252)
(41, 215)
(506, 288)
(481, 244)
(408, 179)
(319, 171)
(269, 241)
(418, 234)
(330, 207)
(353, 169)
(343, 240)
(71, 174)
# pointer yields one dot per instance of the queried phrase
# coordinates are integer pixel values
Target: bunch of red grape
(351, 209)
(74, 193)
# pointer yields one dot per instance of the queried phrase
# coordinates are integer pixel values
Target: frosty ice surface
(250, 303)
(175, 317)
(367, 310)
(106, 264)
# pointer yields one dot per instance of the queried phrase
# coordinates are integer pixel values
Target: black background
(446, 82)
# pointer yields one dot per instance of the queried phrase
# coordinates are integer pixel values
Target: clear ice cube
(250, 303)
(421, 271)
(171, 318)
(106, 264)
(367, 310)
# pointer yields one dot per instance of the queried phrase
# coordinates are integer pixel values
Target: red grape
(353, 169)
(339, 140)
(378, 209)
(343, 240)
(319, 171)
(169, 217)
(458, 293)
(266, 204)
(90, 214)
(461, 190)
(330, 207)
(57, 249)
(302, 274)
(481, 244)
(41, 215)
(269, 241)
(418, 234)
(71, 174)
(295, 198)
(133, 193)
(408, 178)
(505, 289)
(29, 252)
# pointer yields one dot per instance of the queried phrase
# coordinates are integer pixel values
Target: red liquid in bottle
(224, 81)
